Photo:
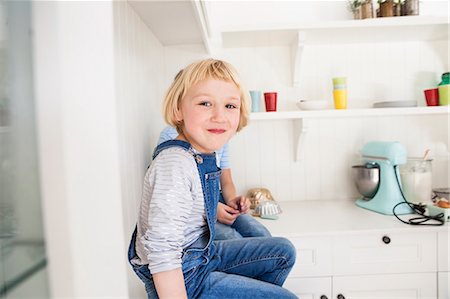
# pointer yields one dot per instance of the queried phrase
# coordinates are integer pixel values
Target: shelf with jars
(372, 30)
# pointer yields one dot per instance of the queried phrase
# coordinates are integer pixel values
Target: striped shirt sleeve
(169, 207)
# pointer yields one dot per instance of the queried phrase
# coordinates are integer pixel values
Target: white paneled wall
(262, 154)
(76, 122)
(139, 64)
(375, 72)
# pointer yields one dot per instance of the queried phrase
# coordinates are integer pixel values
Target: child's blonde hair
(191, 75)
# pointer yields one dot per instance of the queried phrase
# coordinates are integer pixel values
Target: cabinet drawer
(310, 288)
(443, 251)
(313, 256)
(386, 286)
(375, 253)
(443, 285)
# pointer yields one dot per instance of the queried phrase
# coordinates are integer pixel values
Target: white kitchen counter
(344, 251)
(313, 217)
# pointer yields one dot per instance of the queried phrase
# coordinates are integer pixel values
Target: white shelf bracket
(296, 56)
(300, 130)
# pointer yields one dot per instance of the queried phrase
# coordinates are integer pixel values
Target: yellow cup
(444, 94)
(340, 98)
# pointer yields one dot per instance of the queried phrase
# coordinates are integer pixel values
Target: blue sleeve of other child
(168, 133)
(224, 157)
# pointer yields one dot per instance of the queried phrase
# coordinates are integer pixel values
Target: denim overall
(200, 252)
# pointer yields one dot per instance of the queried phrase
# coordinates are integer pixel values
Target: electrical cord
(418, 209)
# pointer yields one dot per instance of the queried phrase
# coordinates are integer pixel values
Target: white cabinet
(385, 252)
(443, 251)
(315, 256)
(391, 286)
(365, 265)
(345, 252)
(443, 285)
(443, 265)
(310, 288)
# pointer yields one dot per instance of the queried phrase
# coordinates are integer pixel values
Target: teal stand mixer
(378, 179)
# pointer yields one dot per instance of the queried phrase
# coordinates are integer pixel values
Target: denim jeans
(244, 226)
(245, 268)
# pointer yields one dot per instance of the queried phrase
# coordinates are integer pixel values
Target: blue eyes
(228, 106)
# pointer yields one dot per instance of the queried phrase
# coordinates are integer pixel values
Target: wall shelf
(175, 22)
(333, 113)
(297, 36)
(407, 28)
(300, 118)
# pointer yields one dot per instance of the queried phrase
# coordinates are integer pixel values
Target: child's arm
(226, 182)
(240, 203)
(170, 284)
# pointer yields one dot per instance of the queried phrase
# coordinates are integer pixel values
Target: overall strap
(171, 143)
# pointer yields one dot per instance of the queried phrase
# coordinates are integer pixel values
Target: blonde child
(173, 249)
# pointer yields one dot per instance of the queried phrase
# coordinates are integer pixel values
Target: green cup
(444, 94)
(339, 81)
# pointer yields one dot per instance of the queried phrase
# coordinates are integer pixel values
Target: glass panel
(22, 250)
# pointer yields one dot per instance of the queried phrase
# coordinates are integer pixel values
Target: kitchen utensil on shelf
(340, 92)
(444, 89)
(425, 155)
(395, 104)
(268, 209)
(270, 99)
(367, 179)
(258, 195)
(387, 156)
(432, 97)
(256, 100)
(411, 7)
(312, 105)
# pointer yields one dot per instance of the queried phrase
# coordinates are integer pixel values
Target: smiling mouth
(216, 131)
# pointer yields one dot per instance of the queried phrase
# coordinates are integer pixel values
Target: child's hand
(240, 203)
(226, 214)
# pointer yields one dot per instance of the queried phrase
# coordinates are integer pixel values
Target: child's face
(210, 111)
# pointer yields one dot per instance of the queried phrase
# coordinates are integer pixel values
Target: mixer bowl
(366, 178)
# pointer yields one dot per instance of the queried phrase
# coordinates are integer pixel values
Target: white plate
(393, 104)
(312, 105)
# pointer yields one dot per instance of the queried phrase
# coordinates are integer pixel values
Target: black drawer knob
(386, 240)
(340, 296)
(323, 297)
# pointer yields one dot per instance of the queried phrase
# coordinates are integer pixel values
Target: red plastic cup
(432, 97)
(270, 98)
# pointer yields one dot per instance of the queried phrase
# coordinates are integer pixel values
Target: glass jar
(411, 7)
(416, 180)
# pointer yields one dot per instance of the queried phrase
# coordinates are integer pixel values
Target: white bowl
(312, 105)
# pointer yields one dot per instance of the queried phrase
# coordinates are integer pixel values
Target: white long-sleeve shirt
(172, 213)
